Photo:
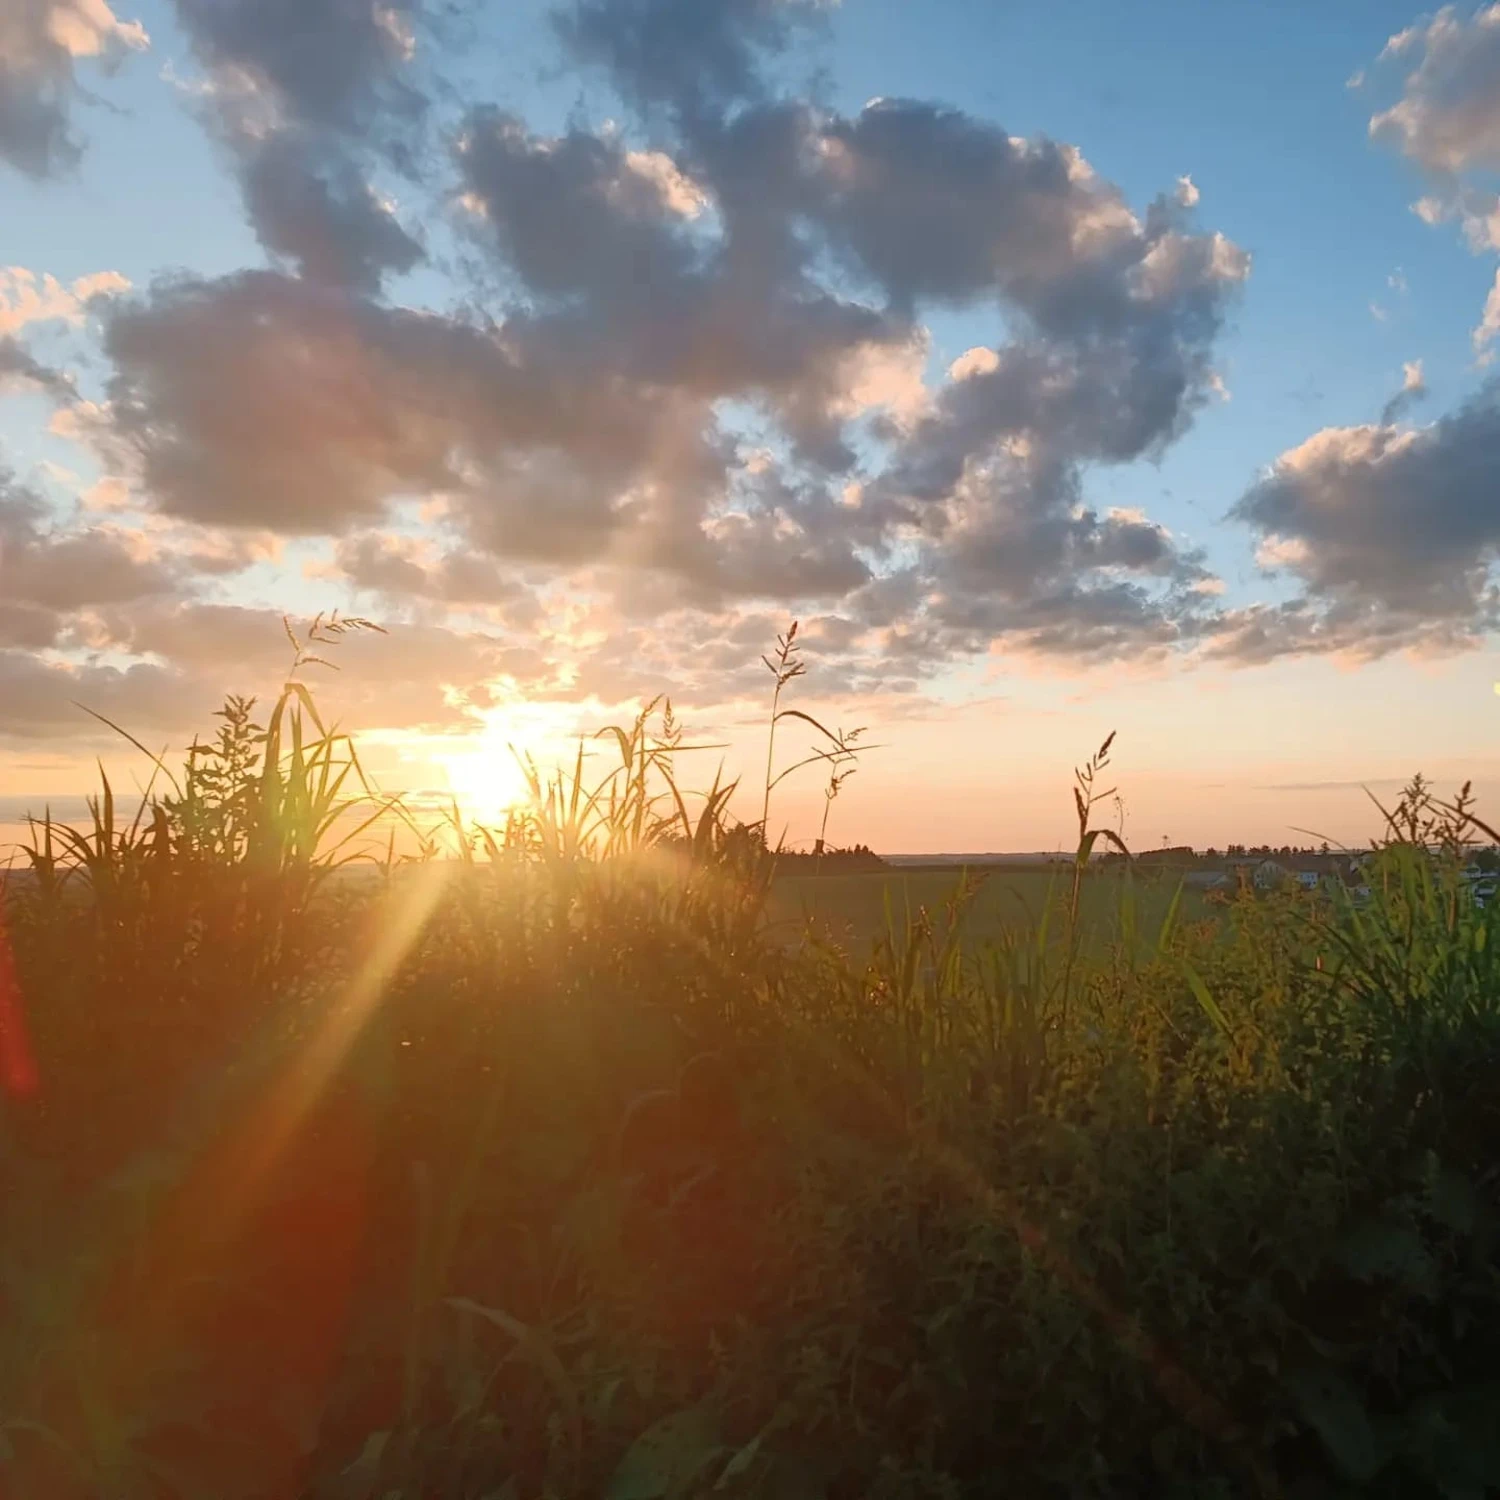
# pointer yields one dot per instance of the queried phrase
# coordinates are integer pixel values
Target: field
(853, 910)
(564, 1169)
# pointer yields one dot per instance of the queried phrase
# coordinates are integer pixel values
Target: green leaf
(535, 1346)
(667, 1457)
(1169, 921)
(1205, 999)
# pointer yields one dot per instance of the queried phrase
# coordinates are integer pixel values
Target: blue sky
(1344, 288)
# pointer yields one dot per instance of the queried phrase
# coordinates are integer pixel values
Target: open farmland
(852, 910)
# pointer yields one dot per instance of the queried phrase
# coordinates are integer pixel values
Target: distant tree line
(830, 860)
(1184, 854)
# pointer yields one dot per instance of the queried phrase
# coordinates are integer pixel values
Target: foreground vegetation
(551, 1170)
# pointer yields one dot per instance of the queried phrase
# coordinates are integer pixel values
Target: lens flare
(18, 1071)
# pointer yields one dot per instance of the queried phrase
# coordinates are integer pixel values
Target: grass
(558, 1170)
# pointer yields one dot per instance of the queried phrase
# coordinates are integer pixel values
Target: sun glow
(487, 781)
(485, 773)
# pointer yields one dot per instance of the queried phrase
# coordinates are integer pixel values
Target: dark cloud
(48, 568)
(314, 209)
(41, 43)
(607, 241)
(400, 570)
(694, 56)
(1027, 221)
(329, 63)
(1413, 389)
(18, 367)
(1393, 533)
(29, 625)
(573, 216)
(40, 699)
(307, 96)
(262, 399)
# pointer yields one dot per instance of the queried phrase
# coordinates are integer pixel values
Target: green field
(852, 910)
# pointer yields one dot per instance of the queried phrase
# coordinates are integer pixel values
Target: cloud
(1025, 220)
(978, 361)
(312, 207)
(329, 63)
(585, 425)
(1489, 324)
(160, 667)
(1332, 786)
(1413, 389)
(40, 43)
(27, 298)
(269, 401)
(690, 388)
(1392, 532)
(623, 279)
(307, 96)
(40, 697)
(696, 57)
(401, 569)
(422, 675)
(20, 370)
(1447, 121)
(60, 569)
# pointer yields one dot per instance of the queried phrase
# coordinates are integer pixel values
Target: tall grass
(553, 1169)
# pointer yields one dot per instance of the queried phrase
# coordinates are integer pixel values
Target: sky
(1063, 368)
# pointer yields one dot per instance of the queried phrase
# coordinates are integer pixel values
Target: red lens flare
(18, 1071)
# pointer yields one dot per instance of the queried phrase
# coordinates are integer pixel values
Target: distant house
(1481, 884)
(1310, 871)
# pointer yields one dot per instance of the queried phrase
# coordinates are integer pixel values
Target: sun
(486, 780)
(484, 771)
